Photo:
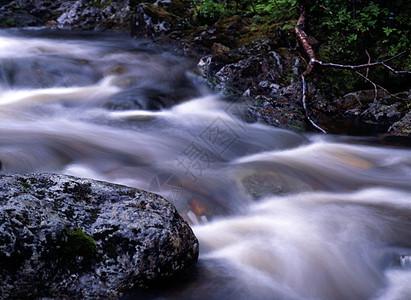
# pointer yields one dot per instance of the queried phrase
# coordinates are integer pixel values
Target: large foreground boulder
(67, 237)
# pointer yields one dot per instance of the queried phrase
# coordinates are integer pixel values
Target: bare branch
(370, 81)
(355, 67)
(304, 100)
(395, 56)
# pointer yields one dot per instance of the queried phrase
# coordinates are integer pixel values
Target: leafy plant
(355, 32)
(277, 9)
(359, 25)
(208, 12)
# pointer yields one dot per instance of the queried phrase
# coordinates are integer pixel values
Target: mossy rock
(66, 237)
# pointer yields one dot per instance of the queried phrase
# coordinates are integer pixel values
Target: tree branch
(303, 39)
(368, 65)
(304, 100)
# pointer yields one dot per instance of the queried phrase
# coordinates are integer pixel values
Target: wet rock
(96, 15)
(279, 111)
(238, 77)
(370, 113)
(282, 106)
(357, 100)
(66, 237)
(402, 127)
(17, 17)
(236, 71)
(141, 98)
(46, 71)
(158, 19)
(268, 183)
(257, 72)
(161, 93)
(21, 13)
(386, 110)
(210, 64)
(80, 14)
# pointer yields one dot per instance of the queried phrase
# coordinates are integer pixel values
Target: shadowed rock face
(69, 237)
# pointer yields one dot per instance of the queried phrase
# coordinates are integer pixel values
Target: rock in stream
(67, 237)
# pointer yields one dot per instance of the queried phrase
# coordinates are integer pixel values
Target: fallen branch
(303, 39)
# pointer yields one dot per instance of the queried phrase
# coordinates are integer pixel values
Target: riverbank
(240, 56)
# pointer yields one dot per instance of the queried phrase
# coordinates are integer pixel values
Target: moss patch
(79, 245)
(25, 184)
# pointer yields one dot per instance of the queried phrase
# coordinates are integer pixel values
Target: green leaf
(388, 31)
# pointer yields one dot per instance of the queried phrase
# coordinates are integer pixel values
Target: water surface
(279, 215)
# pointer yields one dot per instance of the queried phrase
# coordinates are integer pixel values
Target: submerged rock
(66, 237)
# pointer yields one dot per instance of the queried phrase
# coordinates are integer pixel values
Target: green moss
(25, 184)
(79, 244)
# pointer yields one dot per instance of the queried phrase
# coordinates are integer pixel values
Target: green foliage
(348, 30)
(277, 9)
(209, 11)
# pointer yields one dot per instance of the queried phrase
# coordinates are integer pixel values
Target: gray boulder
(67, 237)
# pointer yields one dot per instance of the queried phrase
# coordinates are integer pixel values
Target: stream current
(279, 215)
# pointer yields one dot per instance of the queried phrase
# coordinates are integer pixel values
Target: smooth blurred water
(279, 215)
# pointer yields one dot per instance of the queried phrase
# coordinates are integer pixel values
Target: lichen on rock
(77, 238)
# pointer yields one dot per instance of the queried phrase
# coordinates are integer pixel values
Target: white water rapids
(279, 215)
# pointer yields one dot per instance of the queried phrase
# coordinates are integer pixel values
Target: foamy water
(279, 215)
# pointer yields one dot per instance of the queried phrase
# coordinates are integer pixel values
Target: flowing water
(278, 215)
